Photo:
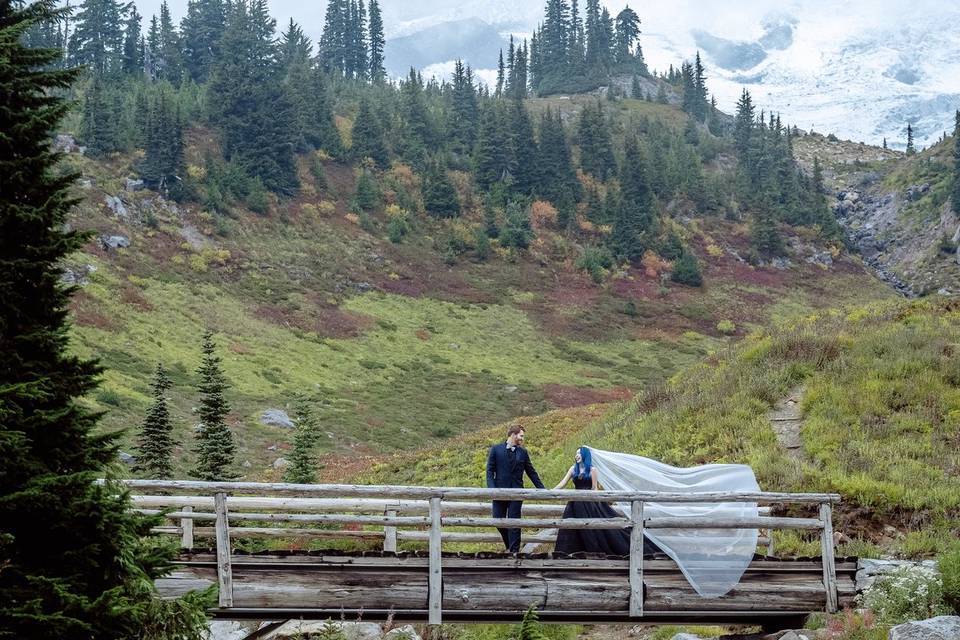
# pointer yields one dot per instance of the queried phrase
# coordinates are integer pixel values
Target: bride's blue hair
(585, 466)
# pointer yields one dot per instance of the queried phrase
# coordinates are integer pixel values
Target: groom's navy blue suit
(505, 468)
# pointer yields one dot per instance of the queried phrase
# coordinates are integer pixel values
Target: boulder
(230, 629)
(276, 418)
(280, 463)
(114, 242)
(126, 458)
(77, 275)
(133, 185)
(308, 628)
(939, 628)
(868, 569)
(686, 636)
(115, 204)
(406, 632)
(65, 142)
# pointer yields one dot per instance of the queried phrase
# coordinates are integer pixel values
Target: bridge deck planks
(487, 582)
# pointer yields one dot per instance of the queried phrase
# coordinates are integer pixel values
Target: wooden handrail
(474, 493)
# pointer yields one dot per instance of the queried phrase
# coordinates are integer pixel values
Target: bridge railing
(404, 513)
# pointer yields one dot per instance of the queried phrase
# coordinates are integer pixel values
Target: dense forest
(272, 96)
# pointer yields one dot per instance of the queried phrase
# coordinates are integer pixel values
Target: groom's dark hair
(514, 429)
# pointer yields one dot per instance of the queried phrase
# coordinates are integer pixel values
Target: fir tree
(743, 127)
(101, 119)
(74, 564)
(884, 142)
(523, 149)
(517, 231)
(635, 91)
(167, 58)
(558, 179)
(155, 443)
(215, 446)
(686, 270)
(201, 32)
(501, 77)
(596, 146)
(368, 136)
(367, 195)
(132, 50)
(97, 39)
(377, 41)
(911, 150)
(661, 93)
(764, 235)
(303, 459)
(162, 164)
(491, 157)
(490, 227)
(464, 113)
(955, 194)
(439, 196)
(627, 32)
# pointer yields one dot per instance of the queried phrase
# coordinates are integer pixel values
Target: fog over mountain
(861, 68)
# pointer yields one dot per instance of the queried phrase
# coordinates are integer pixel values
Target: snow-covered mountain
(861, 69)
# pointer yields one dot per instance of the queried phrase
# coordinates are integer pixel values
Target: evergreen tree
(635, 190)
(416, 133)
(377, 41)
(955, 194)
(490, 227)
(162, 164)
(661, 93)
(491, 159)
(764, 235)
(167, 58)
(368, 136)
(596, 145)
(464, 112)
(201, 32)
(743, 127)
(517, 231)
(530, 628)
(501, 78)
(558, 179)
(97, 39)
(333, 43)
(252, 108)
(367, 195)
(101, 119)
(686, 270)
(303, 459)
(439, 196)
(523, 149)
(635, 91)
(132, 49)
(215, 445)
(155, 443)
(74, 564)
(911, 150)
(884, 142)
(627, 32)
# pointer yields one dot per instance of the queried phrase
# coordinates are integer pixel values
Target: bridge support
(636, 559)
(224, 570)
(435, 595)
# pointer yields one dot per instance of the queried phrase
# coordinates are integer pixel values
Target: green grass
(882, 424)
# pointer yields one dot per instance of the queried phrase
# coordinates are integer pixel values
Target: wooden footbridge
(419, 576)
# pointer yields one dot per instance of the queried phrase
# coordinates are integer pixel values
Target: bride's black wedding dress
(613, 542)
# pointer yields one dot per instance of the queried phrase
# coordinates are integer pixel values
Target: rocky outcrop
(868, 569)
(276, 418)
(939, 628)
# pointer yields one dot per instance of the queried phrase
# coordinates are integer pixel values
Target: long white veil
(713, 560)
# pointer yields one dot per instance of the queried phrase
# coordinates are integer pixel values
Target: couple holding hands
(508, 461)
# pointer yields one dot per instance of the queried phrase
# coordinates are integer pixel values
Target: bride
(614, 542)
(712, 560)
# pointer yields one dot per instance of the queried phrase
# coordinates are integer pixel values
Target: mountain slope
(881, 425)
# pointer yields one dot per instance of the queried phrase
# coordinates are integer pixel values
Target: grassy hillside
(401, 343)
(881, 423)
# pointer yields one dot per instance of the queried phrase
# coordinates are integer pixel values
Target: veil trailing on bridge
(713, 560)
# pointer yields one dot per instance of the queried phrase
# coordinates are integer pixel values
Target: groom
(506, 465)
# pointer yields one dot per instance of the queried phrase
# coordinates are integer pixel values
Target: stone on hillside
(939, 628)
(115, 204)
(686, 636)
(310, 628)
(133, 185)
(77, 275)
(114, 242)
(916, 192)
(126, 458)
(276, 418)
(66, 143)
(230, 629)
(406, 632)
(280, 463)
(869, 569)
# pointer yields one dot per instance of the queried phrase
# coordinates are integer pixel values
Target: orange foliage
(542, 214)
(653, 264)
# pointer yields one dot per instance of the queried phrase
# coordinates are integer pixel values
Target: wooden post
(436, 586)
(186, 529)
(829, 566)
(224, 571)
(390, 533)
(636, 559)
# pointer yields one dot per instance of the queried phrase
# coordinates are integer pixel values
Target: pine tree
(377, 41)
(162, 164)
(215, 446)
(627, 31)
(333, 42)
(955, 194)
(368, 136)
(501, 78)
(439, 196)
(517, 231)
(686, 270)
(367, 195)
(201, 32)
(884, 142)
(74, 564)
(97, 39)
(155, 443)
(303, 459)
(132, 51)
(491, 160)
(596, 145)
(635, 91)
(167, 59)
(558, 179)
(523, 149)
(764, 235)
(101, 119)
(911, 150)
(743, 127)
(661, 93)
(464, 114)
